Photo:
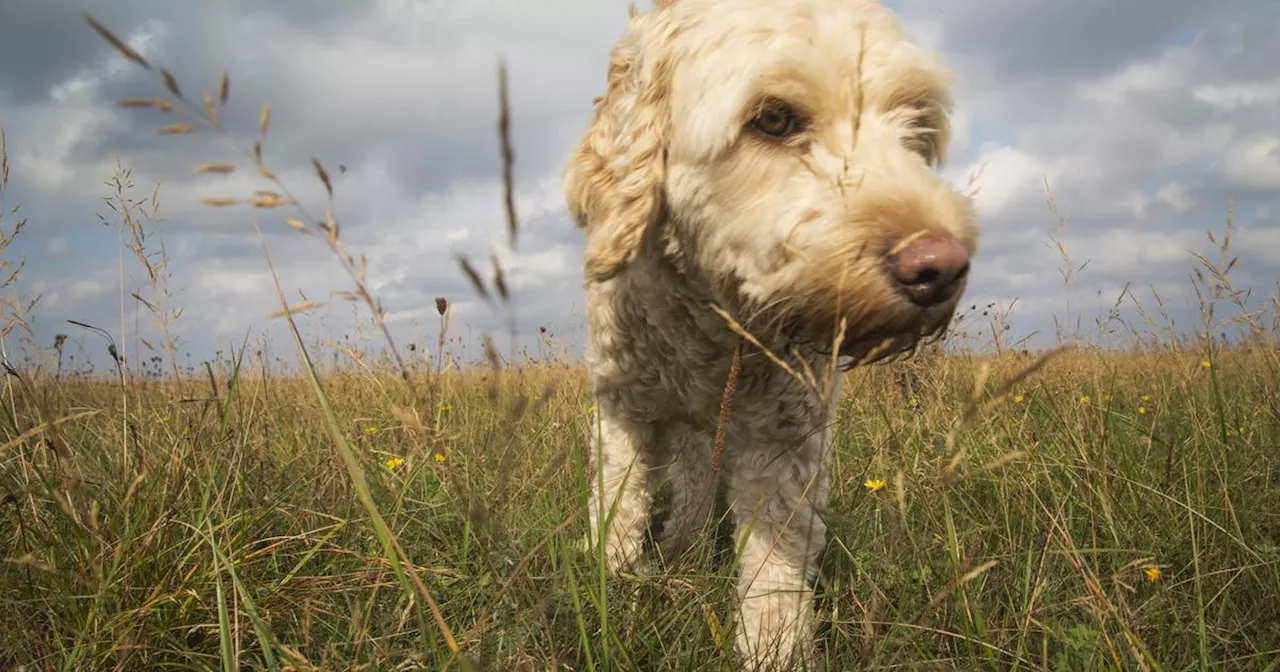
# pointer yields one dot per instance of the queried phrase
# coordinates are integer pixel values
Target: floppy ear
(613, 183)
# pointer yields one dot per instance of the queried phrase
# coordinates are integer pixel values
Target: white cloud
(55, 246)
(76, 114)
(86, 289)
(1175, 195)
(234, 283)
(540, 269)
(1235, 96)
(1006, 175)
(1254, 162)
(1136, 78)
(1134, 254)
(961, 139)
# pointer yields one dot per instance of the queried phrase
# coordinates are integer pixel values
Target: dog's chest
(653, 341)
(657, 348)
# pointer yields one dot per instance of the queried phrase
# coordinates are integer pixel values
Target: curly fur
(686, 206)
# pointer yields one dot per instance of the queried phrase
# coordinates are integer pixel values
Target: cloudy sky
(1145, 116)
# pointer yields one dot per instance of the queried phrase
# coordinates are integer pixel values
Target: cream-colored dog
(774, 159)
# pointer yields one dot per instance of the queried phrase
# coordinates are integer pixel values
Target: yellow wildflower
(446, 408)
(1106, 398)
(1146, 397)
(394, 463)
(1018, 398)
(1153, 573)
(370, 430)
(1142, 410)
(874, 484)
(439, 457)
(1084, 399)
(1204, 364)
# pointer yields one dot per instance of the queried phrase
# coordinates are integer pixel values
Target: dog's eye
(778, 121)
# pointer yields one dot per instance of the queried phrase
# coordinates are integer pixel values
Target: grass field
(1116, 509)
(217, 524)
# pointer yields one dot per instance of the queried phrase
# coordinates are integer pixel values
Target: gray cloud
(404, 98)
(1145, 132)
(1027, 41)
(1146, 117)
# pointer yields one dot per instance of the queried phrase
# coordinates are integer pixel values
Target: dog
(763, 209)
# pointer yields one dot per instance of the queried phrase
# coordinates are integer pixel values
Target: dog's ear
(614, 180)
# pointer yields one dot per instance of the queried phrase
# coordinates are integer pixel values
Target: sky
(1145, 117)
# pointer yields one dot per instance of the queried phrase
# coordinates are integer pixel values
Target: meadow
(1084, 508)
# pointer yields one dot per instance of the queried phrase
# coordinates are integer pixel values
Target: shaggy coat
(770, 159)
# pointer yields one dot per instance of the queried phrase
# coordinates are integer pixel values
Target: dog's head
(789, 147)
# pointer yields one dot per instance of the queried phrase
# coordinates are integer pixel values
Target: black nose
(928, 271)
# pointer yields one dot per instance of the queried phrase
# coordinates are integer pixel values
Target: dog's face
(789, 146)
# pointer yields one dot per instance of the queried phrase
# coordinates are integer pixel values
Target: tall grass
(991, 509)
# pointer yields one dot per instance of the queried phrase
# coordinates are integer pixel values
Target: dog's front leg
(620, 484)
(775, 495)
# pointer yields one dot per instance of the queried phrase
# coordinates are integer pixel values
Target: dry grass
(1098, 509)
